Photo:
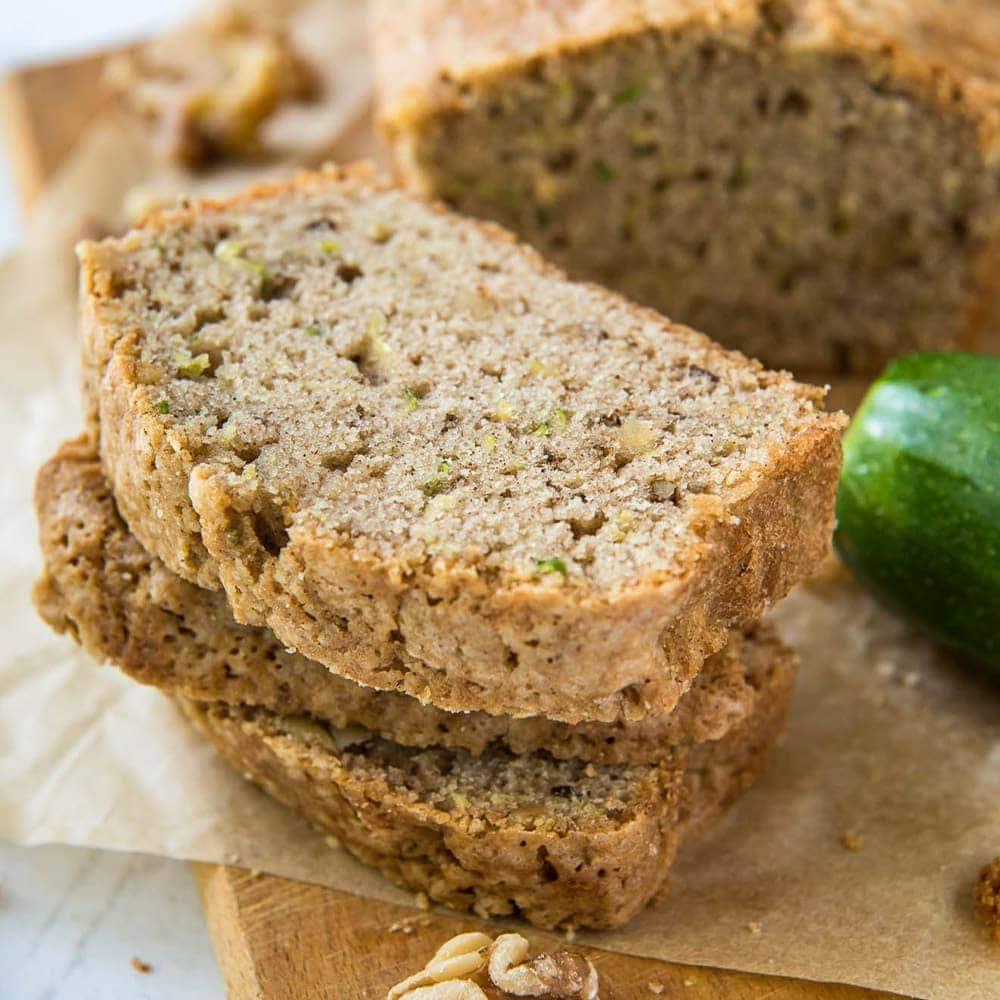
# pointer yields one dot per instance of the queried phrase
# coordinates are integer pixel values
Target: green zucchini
(919, 505)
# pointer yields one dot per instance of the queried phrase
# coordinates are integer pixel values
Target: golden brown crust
(945, 49)
(123, 605)
(451, 636)
(585, 876)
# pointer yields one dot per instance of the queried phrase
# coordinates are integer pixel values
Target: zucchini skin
(918, 509)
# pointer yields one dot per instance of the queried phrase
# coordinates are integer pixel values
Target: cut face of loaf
(424, 459)
(122, 604)
(815, 184)
(561, 843)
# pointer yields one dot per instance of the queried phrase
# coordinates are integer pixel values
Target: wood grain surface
(45, 109)
(281, 940)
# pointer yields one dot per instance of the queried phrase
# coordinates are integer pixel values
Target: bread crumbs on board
(852, 841)
(987, 896)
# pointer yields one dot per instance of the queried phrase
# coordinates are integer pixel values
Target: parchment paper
(887, 741)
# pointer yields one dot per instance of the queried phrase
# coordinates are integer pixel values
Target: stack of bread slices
(461, 560)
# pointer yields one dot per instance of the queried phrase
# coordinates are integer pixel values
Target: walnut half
(458, 971)
(557, 976)
(457, 959)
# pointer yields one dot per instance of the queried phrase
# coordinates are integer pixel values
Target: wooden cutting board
(281, 940)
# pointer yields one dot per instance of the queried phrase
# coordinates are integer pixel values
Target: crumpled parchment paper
(890, 749)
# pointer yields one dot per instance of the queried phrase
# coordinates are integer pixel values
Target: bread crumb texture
(123, 605)
(815, 183)
(390, 432)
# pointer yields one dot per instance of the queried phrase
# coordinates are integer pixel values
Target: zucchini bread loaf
(816, 183)
(427, 461)
(560, 842)
(122, 604)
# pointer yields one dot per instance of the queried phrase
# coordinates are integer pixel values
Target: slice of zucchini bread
(562, 843)
(426, 460)
(817, 184)
(122, 604)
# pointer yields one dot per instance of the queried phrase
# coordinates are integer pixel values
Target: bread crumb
(409, 924)
(140, 966)
(754, 927)
(655, 988)
(422, 901)
(885, 669)
(689, 982)
(331, 841)
(852, 841)
(570, 934)
(987, 896)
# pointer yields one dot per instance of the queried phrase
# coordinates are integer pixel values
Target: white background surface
(36, 30)
(72, 920)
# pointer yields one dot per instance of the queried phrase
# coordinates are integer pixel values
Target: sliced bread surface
(122, 604)
(426, 460)
(817, 184)
(562, 843)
